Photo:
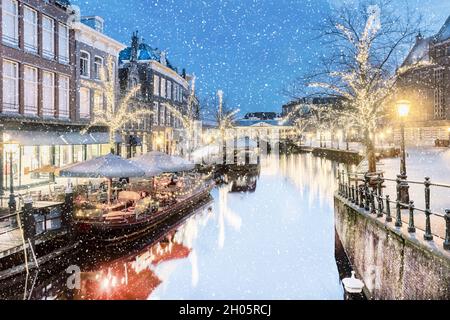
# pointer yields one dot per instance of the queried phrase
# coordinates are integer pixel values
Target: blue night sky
(251, 49)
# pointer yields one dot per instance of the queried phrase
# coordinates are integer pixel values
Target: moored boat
(133, 215)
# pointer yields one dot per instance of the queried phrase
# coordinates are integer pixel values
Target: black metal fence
(366, 192)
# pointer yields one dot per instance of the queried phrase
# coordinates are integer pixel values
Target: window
(169, 90)
(155, 113)
(48, 94)
(163, 87)
(175, 91)
(98, 101)
(63, 97)
(63, 47)
(85, 103)
(31, 90)
(155, 85)
(10, 22)
(98, 64)
(84, 64)
(161, 115)
(10, 86)
(30, 29)
(48, 37)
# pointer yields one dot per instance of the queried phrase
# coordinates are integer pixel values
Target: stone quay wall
(392, 263)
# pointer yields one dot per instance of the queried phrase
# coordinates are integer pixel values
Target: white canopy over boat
(163, 162)
(107, 166)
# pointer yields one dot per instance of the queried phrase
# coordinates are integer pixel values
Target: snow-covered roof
(145, 53)
(444, 33)
(419, 52)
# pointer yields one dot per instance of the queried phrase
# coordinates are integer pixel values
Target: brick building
(42, 104)
(161, 84)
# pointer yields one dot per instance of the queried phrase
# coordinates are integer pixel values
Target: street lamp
(448, 130)
(10, 150)
(403, 107)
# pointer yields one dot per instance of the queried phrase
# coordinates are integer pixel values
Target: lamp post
(10, 150)
(448, 130)
(403, 107)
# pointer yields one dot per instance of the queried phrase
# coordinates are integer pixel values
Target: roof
(419, 52)
(145, 53)
(444, 33)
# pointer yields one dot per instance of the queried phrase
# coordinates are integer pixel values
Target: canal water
(267, 235)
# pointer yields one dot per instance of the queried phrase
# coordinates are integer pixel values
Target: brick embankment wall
(392, 263)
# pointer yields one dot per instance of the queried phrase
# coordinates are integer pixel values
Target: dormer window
(84, 64)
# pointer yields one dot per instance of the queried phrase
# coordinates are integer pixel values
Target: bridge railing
(366, 191)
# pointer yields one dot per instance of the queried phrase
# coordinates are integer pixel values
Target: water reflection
(268, 235)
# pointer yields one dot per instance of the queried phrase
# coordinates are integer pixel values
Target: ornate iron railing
(366, 192)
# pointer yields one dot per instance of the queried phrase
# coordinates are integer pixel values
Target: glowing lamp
(403, 107)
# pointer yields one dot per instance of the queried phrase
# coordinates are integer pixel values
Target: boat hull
(104, 233)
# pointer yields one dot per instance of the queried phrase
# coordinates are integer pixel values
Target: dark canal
(266, 236)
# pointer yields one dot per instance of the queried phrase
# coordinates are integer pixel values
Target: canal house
(161, 84)
(47, 54)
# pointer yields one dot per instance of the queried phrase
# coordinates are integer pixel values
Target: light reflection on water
(275, 242)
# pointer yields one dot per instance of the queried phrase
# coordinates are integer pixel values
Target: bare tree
(362, 46)
(115, 114)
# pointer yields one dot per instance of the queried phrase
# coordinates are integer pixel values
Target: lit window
(30, 29)
(31, 90)
(10, 86)
(85, 103)
(48, 94)
(98, 64)
(63, 47)
(163, 87)
(155, 85)
(10, 22)
(98, 101)
(155, 113)
(161, 115)
(169, 90)
(84, 64)
(63, 97)
(48, 37)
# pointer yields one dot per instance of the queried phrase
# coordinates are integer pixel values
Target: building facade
(263, 126)
(41, 104)
(160, 85)
(428, 89)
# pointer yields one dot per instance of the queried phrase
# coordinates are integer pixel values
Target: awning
(38, 138)
(34, 138)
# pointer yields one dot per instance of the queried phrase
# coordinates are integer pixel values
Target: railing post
(367, 193)
(373, 209)
(356, 191)
(398, 218)
(428, 235)
(447, 230)
(380, 197)
(411, 227)
(353, 194)
(29, 223)
(67, 210)
(388, 209)
(339, 182)
(361, 196)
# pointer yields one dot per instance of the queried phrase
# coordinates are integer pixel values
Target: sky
(250, 49)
